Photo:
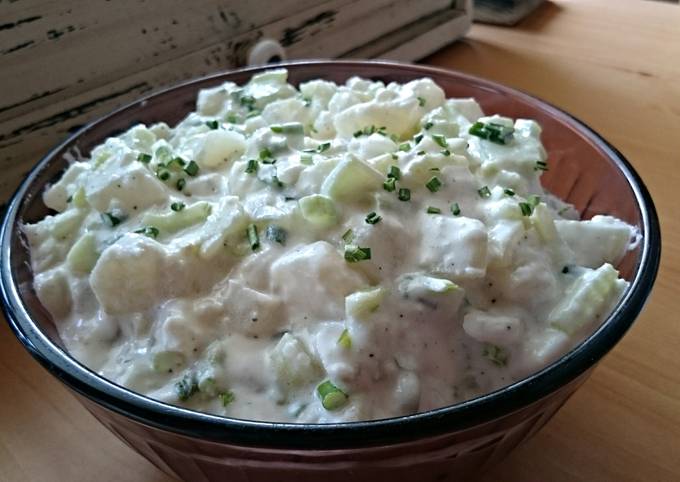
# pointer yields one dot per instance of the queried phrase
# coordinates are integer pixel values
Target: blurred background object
(503, 12)
(67, 63)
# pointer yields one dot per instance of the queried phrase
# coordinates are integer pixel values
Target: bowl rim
(305, 436)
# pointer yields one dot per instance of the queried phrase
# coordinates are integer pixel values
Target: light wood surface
(615, 65)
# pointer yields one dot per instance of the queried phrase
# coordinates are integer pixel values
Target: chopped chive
(345, 340)
(534, 200)
(348, 236)
(265, 154)
(144, 158)
(277, 129)
(191, 169)
(541, 166)
(252, 166)
(440, 140)
(306, 159)
(433, 210)
(405, 146)
(446, 152)
(455, 209)
(404, 194)
(493, 132)
(277, 234)
(111, 219)
(420, 153)
(176, 161)
(495, 354)
(434, 184)
(213, 124)
(177, 206)
(248, 101)
(526, 208)
(163, 175)
(226, 397)
(181, 182)
(69, 199)
(418, 138)
(484, 192)
(421, 101)
(373, 218)
(428, 126)
(509, 192)
(149, 231)
(354, 254)
(394, 172)
(394, 156)
(186, 387)
(323, 147)
(232, 119)
(434, 169)
(253, 237)
(332, 398)
(390, 184)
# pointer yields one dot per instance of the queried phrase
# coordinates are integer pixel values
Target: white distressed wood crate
(63, 64)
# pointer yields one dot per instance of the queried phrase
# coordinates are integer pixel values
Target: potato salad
(321, 253)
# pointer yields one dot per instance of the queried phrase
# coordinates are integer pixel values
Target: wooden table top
(615, 65)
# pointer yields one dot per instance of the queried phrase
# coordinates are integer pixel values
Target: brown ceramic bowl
(450, 442)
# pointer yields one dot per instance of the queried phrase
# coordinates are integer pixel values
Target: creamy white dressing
(327, 254)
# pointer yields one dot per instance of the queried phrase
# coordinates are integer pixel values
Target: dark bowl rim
(390, 431)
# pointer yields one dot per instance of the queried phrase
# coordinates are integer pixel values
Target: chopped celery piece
(167, 361)
(176, 221)
(586, 299)
(350, 180)
(79, 198)
(319, 210)
(362, 303)
(83, 255)
(290, 128)
(345, 340)
(332, 398)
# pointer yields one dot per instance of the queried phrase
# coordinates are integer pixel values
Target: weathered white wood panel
(65, 63)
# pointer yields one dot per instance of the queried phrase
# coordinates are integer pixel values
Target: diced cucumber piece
(351, 179)
(586, 299)
(83, 254)
(176, 220)
(319, 210)
(362, 303)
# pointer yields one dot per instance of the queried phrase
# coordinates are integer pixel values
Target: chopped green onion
(176, 161)
(405, 146)
(149, 231)
(248, 101)
(446, 152)
(455, 209)
(354, 254)
(332, 398)
(277, 234)
(433, 210)
(227, 397)
(373, 218)
(163, 175)
(163, 154)
(420, 153)
(428, 126)
(348, 236)
(277, 129)
(434, 184)
(440, 140)
(177, 206)
(232, 119)
(252, 166)
(345, 340)
(111, 219)
(434, 169)
(186, 387)
(265, 154)
(493, 132)
(394, 156)
(144, 158)
(323, 147)
(394, 172)
(390, 184)
(404, 194)
(291, 128)
(191, 169)
(213, 124)
(541, 166)
(509, 192)
(534, 200)
(495, 354)
(253, 237)
(484, 192)
(181, 182)
(418, 138)
(526, 208)
(421, 101)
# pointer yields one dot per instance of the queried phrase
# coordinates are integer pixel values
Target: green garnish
(455, 209)
(248, 101)
(526, 209)
(404, 194)
(494, 353)
(181, 182)
(191, 169)
(405, 146)
(226, 397)
(433, 210)
(367, 131)
(420, 153)
(149, 231)
(213, 124)
(186, 387)
(253, 237)
(534, 200)
(176, 161)
(373, 218)
(434, 184)
(332, 398)
(265, 154)
(252, 166)
(177, 206)
(354, 254)
(276, 234)
(541, 166)
(440, 140)
(446, 152)
(394, 156)
(428, 126)
(421, 101)
(291, 128)
(345, 340)
(232, 119)
(253, 113)
(484, 192)
(144, 158)
(509, 192)
(348, 236)
(163, 175)
(394, 172)
(323, 147)
(418, 138)
(111, 219)
(390, 184)
(491, 131)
